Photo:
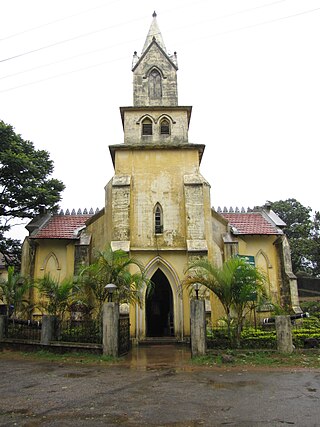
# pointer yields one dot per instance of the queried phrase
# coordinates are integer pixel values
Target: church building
(158, 210)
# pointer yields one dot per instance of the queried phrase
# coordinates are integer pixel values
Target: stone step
(158, 340)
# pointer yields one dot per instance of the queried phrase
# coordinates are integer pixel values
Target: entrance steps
(160, 341)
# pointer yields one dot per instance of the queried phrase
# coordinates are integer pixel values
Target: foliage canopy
(114, 267)
(25, 184)
(13, 293)
(55, 297)
(236, 283)
(303, 232)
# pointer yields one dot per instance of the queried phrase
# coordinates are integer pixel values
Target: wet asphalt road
(154, 387)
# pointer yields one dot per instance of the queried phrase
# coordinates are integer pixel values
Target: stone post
(198, 328)
(47, 329)
(3, 320)
(284, 334)
(110, 329)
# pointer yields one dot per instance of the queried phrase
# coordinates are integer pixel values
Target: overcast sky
(249, 68)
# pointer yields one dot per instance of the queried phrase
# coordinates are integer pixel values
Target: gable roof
(61, 227)
(172, 59)
(154, 37)
(251, 223)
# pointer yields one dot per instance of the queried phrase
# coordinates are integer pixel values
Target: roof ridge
(79, 212)
(234, 210)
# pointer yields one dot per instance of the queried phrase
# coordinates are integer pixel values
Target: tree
(236, 284)
(55, 297)
(303, 234)
(114, 267)
(13, 293)
(248, 286)
(11, 250)
(315, 250)
(296, 216)
(25, 185)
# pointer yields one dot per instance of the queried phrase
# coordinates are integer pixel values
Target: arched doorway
(159, 307)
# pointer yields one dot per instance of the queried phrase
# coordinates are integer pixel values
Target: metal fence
(68, 331)
(79, 331)
(124, 334)
(23, 329)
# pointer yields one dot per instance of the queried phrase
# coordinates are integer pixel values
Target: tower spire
(154, 33)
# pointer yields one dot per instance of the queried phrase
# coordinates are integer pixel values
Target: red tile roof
(61, 227)
(250, 223)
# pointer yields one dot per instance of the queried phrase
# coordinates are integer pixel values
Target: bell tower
(158, 204)
(155, 117)
(158, 194)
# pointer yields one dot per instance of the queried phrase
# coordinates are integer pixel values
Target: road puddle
(157, 357)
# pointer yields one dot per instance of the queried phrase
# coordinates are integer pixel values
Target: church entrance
(159, 307)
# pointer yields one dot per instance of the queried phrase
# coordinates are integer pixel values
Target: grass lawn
(260, 358)
(214, 358)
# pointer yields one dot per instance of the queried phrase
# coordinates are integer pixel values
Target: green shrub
(312, 307)
(250, 338)
(266, 339)
(258, 338)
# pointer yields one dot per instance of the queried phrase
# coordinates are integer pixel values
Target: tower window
(165, 127)
(158, 219)
(155, 86)
(147, 127)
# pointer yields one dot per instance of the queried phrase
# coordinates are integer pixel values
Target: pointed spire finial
(154, 34)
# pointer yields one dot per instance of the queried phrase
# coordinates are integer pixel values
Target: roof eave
(136, 147)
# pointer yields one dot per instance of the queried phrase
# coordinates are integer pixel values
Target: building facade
(158, 209)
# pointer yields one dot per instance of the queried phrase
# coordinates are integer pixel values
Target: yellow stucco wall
(97, 230)
(266, 258)
(54, 257)
(157, 178)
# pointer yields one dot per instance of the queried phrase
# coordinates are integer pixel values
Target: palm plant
(248, 286)
(235, 283)
(56, 297)
(13, 293)
(114, 267)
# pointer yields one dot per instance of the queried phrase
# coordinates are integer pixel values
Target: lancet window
(147, 127)
(155, 85)
(158, 219)
(165, 127)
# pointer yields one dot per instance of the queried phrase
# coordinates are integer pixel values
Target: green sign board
(249, 259)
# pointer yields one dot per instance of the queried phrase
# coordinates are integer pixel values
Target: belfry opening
(159, 307)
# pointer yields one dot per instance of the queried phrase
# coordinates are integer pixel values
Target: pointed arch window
(147, 127)
(158, 219)
(155, 85)
(165, 127)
